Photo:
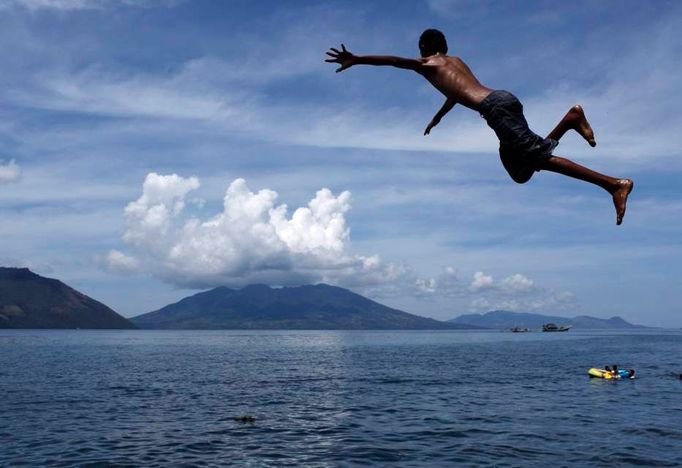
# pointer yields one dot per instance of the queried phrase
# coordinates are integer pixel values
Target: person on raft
(522, 152)
(616, 374)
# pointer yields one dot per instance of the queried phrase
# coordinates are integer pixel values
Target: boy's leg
(618, 188)
(574, 120)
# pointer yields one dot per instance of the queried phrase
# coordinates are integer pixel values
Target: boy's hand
(431, 124)
(345, 58)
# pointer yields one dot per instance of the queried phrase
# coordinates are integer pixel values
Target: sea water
(336, 398)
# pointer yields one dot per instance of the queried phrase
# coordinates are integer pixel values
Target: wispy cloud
(620, 117)
(9, 172)
(85, 4)
(457, 9)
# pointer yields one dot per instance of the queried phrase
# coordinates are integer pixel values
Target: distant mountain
(28, 300)
(503, 319)
(316, 307)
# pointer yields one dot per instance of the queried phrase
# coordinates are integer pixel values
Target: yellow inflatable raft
(600, 373)
(604, 374)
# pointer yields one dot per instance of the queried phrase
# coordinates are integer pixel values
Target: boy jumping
(522, 152)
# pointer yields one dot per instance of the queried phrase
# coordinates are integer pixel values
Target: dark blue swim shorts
(521, 150)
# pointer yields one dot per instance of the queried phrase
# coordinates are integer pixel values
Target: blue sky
(149, 149)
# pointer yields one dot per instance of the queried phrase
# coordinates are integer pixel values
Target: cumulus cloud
(121, 263)
(149, 217)
(9, 172)
(541, 301)
(515, 292)
(445, 284)
(428, 286)
(255, 239)
(481, 281)
(513, 284)
(518, 283)
(252, 240)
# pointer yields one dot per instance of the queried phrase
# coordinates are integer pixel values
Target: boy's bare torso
(452, 77)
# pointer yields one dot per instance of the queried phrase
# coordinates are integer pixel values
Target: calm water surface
(159, 398)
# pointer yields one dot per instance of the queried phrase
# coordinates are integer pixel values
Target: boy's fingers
(331, 60)
(331, 54)
(343, 47)
(335, 50)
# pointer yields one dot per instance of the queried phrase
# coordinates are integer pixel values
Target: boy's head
(431, 42)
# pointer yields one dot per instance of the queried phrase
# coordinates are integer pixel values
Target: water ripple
(134, 398)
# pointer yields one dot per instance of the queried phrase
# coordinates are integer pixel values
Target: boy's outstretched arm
(347, 60)
(447, 107)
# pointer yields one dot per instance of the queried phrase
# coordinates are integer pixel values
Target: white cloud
(227, 94)
(12, 262)
(149, 217)
(481, 282)
(84, 4)
(445, 284)
(9, 172)
(514, 284)
(121, 263)
(516, 292)
(56, 4)
(548, 301)
(428, 286)
(191, 95)
(101, 93)
(455, 8)
(518, 283)
(252, 240)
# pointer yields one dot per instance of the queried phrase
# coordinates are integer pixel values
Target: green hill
(503, 319)
(316, 307)
(28, 300)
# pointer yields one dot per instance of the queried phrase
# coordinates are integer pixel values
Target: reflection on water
(321, 398)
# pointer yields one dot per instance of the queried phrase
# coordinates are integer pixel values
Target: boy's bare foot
(578, 122)
(620, 197)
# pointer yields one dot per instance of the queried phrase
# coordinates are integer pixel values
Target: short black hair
(431, 42)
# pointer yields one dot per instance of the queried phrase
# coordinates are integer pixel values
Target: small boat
(518, 330)
(550, 327)
(604, 374)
